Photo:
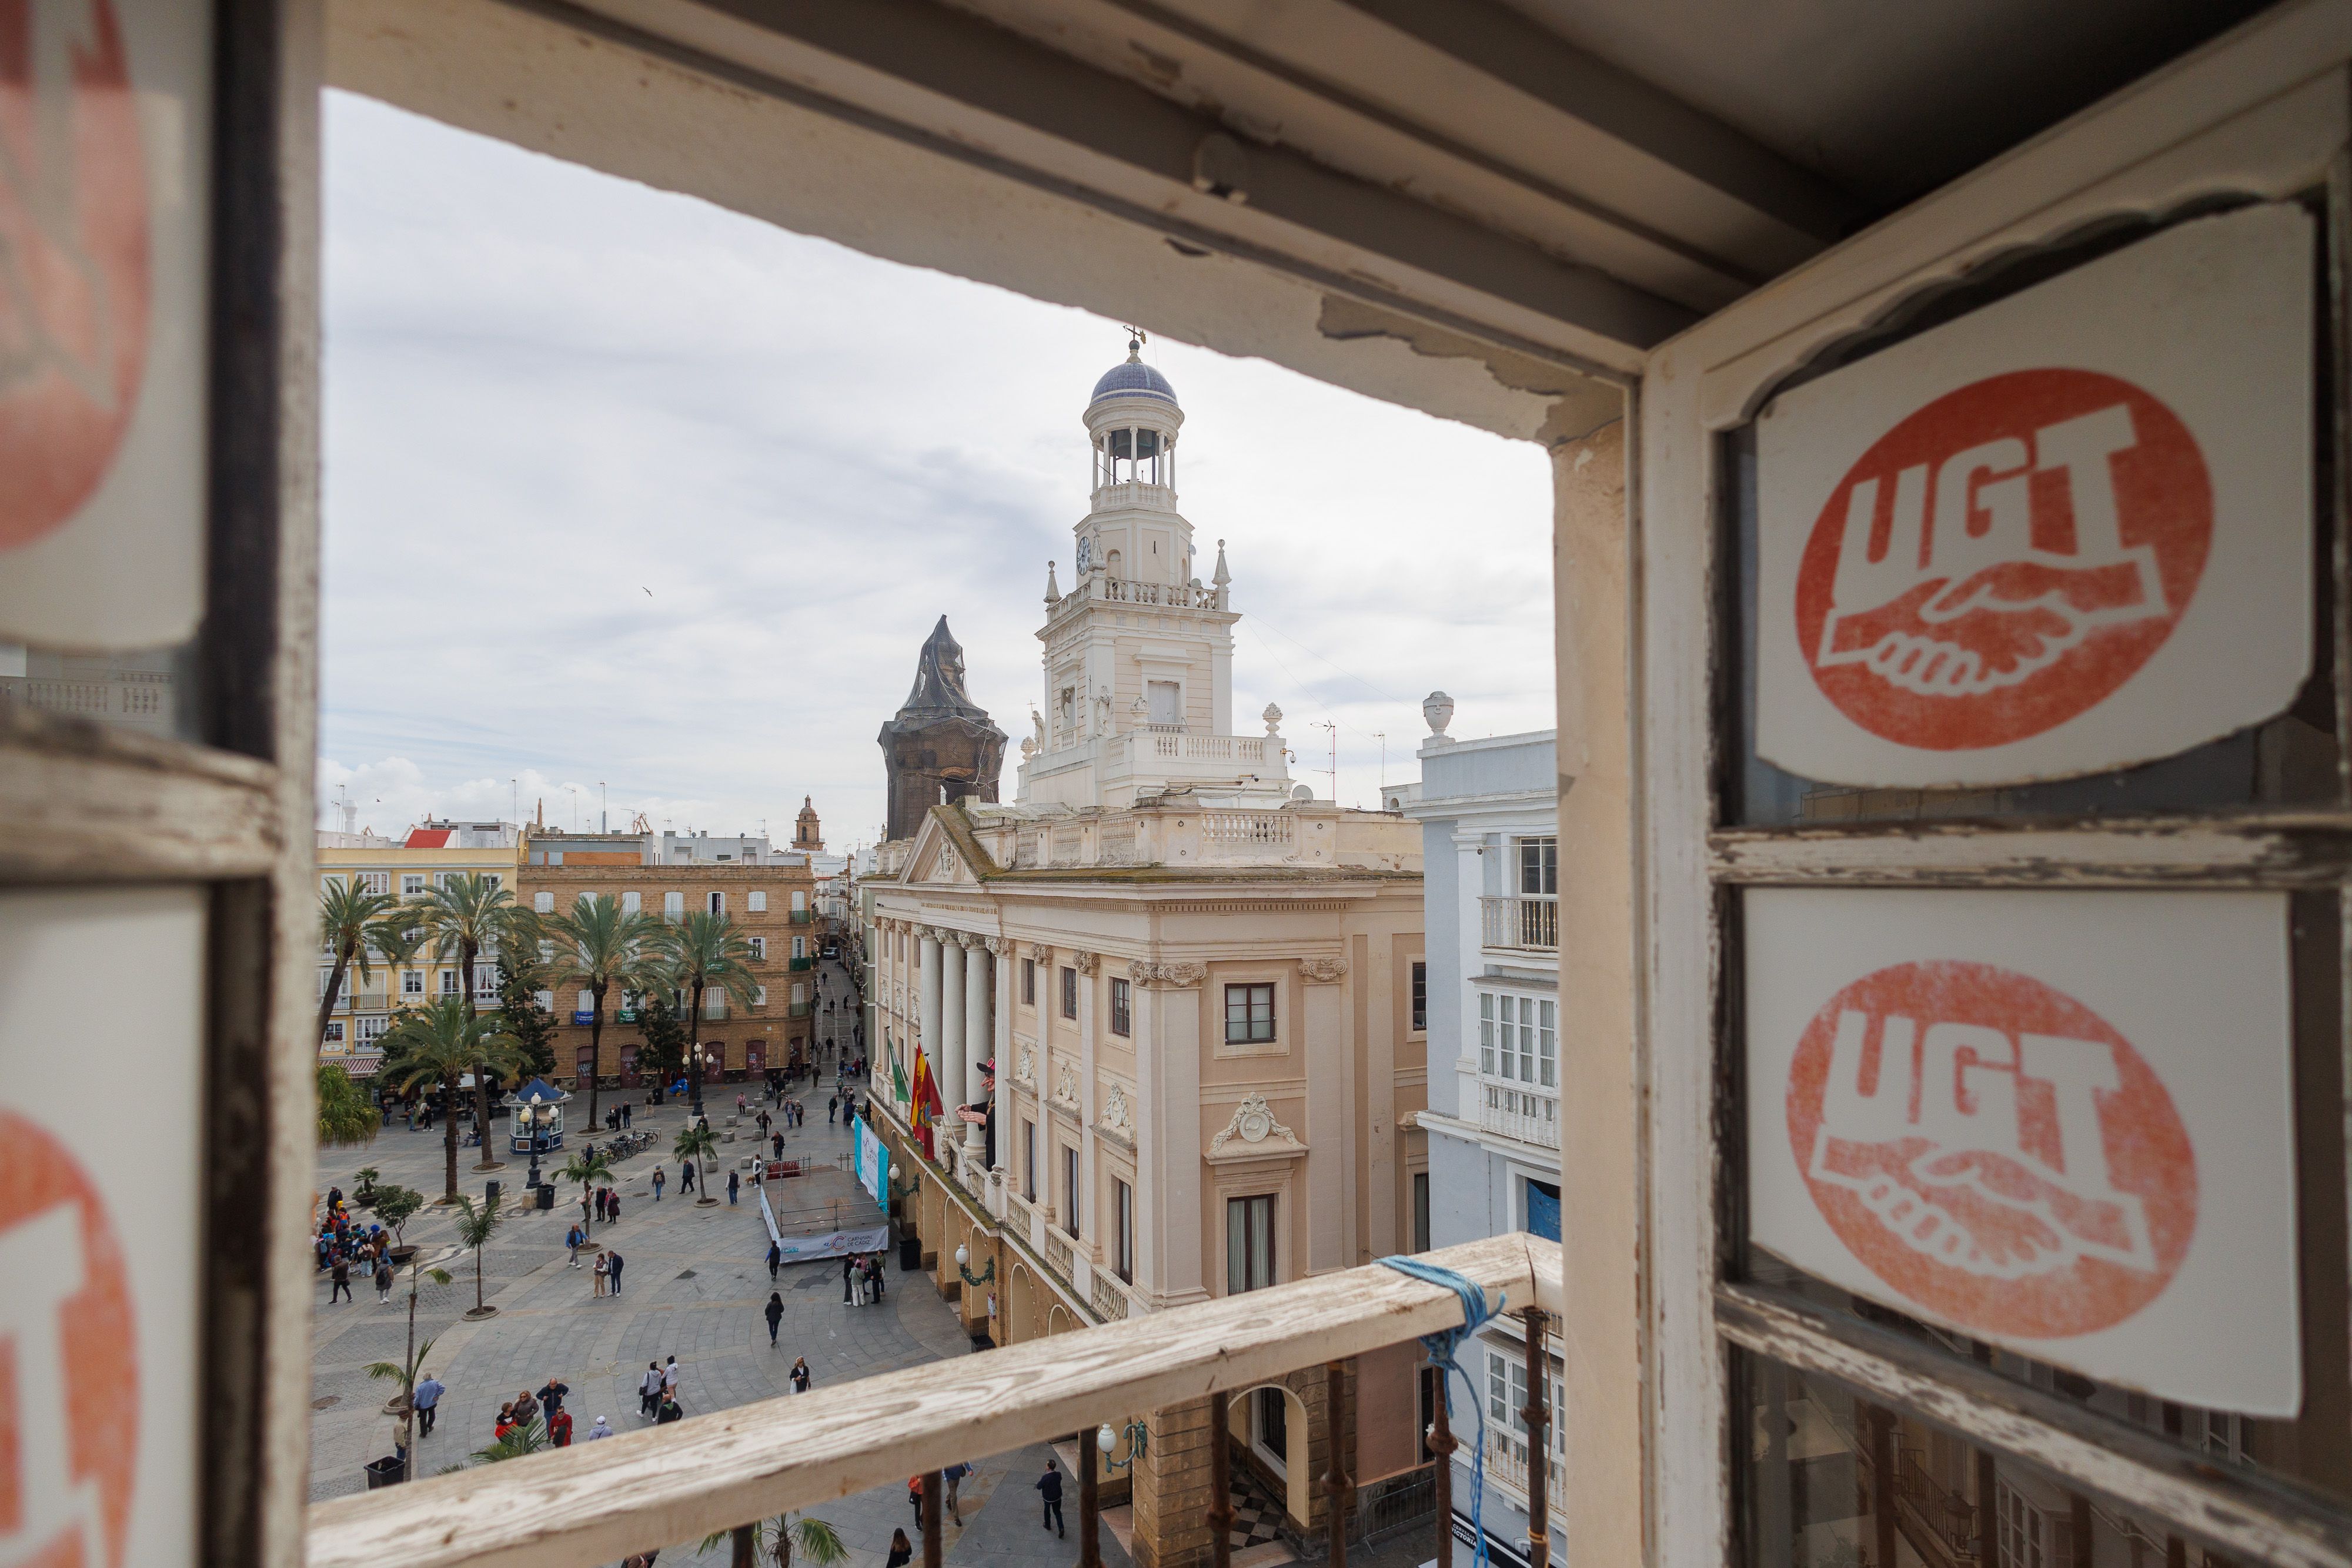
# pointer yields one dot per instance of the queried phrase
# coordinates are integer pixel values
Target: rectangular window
(760, 947)
(1548, 1045)
(800, 947)
(800, 901)
(673, 906)
(450, 980)
(1249, 1243)
(1122, 1022)
(1123, 1248)
(1538, 867)
(376, 882)
(1485, 1032)
(372, 1029)
(759, 996)
(1029, 1160)
(411, 982)
(756, 902)
(1420, 999)
(1069, 1190)
(412, 882)
(492, 879)
(542, 902)
(1069, 993)
(330, 882)
(1421, 1211)
(1028, 982)
(715, 903)
(633, 904)
(335, 1032)
(446, 878)
(1249, 1014)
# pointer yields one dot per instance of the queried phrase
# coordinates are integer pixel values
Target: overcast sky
(626, 489)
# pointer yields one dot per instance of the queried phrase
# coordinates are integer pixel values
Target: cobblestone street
(695, 1287)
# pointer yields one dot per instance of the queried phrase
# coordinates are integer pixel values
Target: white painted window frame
(2263, 113)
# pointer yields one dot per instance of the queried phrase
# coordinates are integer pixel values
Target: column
(928, 997)
(1330, 1082)
(947, 1060)
(1003, 1048)
(1086, 963)
(978, 1014)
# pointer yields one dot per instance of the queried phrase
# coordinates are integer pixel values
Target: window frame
(1028, 982)
(1122, 1202)
(1069, 992)
(758, 949)
(1249, 991)
(1259, 1214)
(1417, 1004)
(1123, 1007)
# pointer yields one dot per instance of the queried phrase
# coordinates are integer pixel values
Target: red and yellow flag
(927, 1108)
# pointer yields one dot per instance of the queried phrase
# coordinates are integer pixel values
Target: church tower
(1139, 653)
(806, 833)
(941, 746)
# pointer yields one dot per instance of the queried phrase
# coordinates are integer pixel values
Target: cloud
(623, 486)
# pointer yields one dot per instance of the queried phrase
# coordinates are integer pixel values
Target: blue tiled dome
(1134, 378)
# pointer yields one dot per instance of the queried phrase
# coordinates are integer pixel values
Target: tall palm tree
(696, 1143)
(475, 1227)
(819, 1542)
(598, 946)
(464, 917)
(440, 1044)
(584, 1170)
(396, 939)
(699, 952)
(344, 1114)
(345, 915)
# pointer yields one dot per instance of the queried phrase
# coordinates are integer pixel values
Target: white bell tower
(1137, 691)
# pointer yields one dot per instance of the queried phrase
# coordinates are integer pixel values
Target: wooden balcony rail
(597, 1503)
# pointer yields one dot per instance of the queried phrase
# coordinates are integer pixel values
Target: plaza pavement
(695, 1287)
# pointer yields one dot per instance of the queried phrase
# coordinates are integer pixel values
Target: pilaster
(1168, 1130)
(1331, 1074)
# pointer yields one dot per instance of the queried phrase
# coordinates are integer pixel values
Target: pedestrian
(506, 1421)
(613, 1211)
(614, 1261)
(881, 1278)
(915, 1498)
(602, 1428)
(741, 1108)
(775, 1316)
(670, 1375)
(559, 1429)
(384, 1280)
(902, 1551)
(572, 1245)
(649, 1390)
(1049, 1487)
(426, 1400)
(685, 1179)
(671, 1410)
(778, 1141)
(526, 1408)
(657, 1184)
(604, 1273)
(340, 1280)
(551, 1395)
(799, 1374)
(952, 1475)
(734, 1186)
(848, 1268)
(625, 1115)
(775, 1258)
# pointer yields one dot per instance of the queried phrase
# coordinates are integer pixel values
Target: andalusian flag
(899, 1077)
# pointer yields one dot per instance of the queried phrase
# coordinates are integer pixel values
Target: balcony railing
(1529, 922)
(804, 963)
(1506, 1461)
(801, 1009)
(598, 1502)
(1513, 1109)
(802, 916)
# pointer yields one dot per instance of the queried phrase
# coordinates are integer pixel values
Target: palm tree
(407, 1372)
(466, 916)
(696, 1143)
(700, 951)
(585, 1169)
(520, 1440)
(440, 1044)
(345, 914)
(397, 939)
(819, 1542)
(344, 1114)
(600, 946)
(474, 1230)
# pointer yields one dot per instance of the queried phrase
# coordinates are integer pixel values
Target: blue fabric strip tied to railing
(1442, 1348)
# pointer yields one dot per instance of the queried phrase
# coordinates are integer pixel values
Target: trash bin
(491, 1191)
(385, 1472)
(911, 1254)
(547, 1194)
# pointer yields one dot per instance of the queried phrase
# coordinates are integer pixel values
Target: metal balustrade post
(1442, 1445)
(932, 1487)
(1336, 1484)
(1538, 1419)
(1089, 1507)
(1221, 1481)
(746, 1552)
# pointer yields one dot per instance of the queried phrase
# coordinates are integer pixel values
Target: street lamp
(964, 1257)
(1105, 1439)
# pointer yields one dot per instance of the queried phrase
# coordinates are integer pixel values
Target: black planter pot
(386, 1471)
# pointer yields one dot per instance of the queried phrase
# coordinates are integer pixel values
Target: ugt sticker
(2057, 1122)
(2067, 532)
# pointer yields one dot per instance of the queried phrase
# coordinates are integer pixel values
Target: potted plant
(363, 1184)
(475, 1225)
(818, 1541)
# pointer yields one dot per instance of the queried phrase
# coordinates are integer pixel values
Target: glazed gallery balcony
(597, 1503)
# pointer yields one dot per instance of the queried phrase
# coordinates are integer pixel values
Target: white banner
(2046, 539)
(871, 1160)
(105, 180)
(2060, 1122)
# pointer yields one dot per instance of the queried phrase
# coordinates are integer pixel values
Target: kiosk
(537, 1113)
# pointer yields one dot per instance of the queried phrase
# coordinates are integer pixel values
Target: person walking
(775, 1316)
(775, 1260)
(383, 1279)
(671, 1410)
(559, 1428)
(799, 1374)
(658, 1183)
(525, 1408)
(572, 1245)
(902, 1551)
(604, 1273)
(614, 1262)
(734, 1187)
(1049, 1487)
(915, 1498)
(832, 1109)
(613, 1210)
(340, 1279)
(624, 1128)
(649, 1388)
(848, 1268)
(952, 1475)
(670, 1375)
(427, 1400)
(685, 1179)
(601, 1429)
(778, 1140)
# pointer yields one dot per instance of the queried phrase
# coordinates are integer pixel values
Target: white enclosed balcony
(1525, 922)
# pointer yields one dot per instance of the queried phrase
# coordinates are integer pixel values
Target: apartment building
(1489, 816)
(428, 855)
(775, 906)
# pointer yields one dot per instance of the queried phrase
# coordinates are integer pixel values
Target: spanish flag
(927, 1106)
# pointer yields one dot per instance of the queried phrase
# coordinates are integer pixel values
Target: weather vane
(1136, 337)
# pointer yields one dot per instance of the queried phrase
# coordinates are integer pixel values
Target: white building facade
(1489, 815)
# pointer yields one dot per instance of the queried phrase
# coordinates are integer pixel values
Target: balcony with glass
(1518, 1068)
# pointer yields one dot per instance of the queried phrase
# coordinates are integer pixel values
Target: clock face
(1086, 553)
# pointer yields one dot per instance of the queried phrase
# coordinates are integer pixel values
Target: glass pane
(1236, 1246)
(1827, 1480)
